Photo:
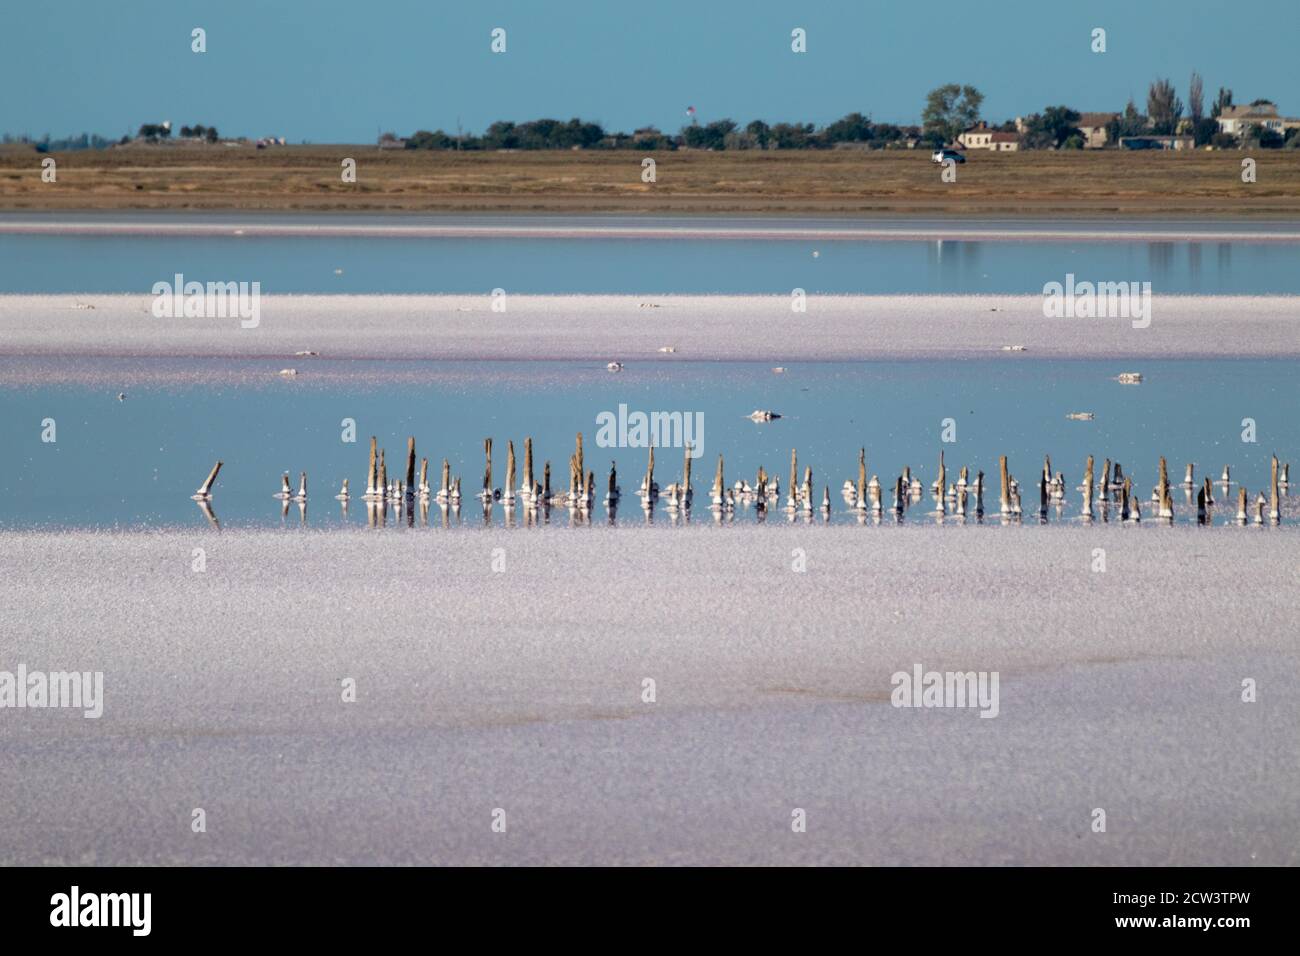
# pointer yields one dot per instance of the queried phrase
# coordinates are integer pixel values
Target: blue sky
(338, 71)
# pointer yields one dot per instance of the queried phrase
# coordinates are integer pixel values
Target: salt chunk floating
(780, 369)
(306, 352)
(288, 372)
(667, 348)
(1129, 378)
(615, 366)
(1014, 348)
(762, 416)
(1080, 416)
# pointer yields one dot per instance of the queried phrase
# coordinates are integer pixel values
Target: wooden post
(546, 482)
(650, 474)
(410, 464)
(862, 479)
(487, 471)
(1275, 505)
(373, 475)
(686, 473)
(509, 492)
(1105, 481)
(446, 479)
(1006, 485)
(528, 465)
(718, 487)
(793, 493)
(1242, 516)
(424, 476)
(205, 489)
(577, 456)
(383, 475)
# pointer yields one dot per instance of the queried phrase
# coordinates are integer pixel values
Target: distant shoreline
(595, 227)
(1059, 186)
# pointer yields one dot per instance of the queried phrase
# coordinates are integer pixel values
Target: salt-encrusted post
(205, 489)
(528, 465)
(487, 470)
(650, 473)
(1105, 481)
(577, 456)
(1242, 516)
(445, 490)
(383, 475)
(1087, 489)
(1006, 485)
(410, 464)
(509, 493)
(718, 487)
(424, 477)
(1274, 508)
(793, 494)
(546, 482)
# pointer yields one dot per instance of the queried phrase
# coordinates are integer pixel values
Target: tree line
(949, 110)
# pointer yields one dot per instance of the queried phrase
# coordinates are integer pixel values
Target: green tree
(949, 110)
(854, 128)
(1163, 107)
(759, 132)
(1054, 128)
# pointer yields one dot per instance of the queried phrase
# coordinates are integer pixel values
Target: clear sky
(338, 70)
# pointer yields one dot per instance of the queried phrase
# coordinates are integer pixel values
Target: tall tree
(1163, 107)
(1195, 99)
(1221, 103)
(950, 109)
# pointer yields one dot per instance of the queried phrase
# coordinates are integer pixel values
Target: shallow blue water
(289, 264)
(136, 461)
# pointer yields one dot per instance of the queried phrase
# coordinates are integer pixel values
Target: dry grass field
(842, 182)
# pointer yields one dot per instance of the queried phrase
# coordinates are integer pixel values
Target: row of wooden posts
(865, 495)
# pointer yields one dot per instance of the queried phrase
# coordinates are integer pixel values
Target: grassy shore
(842, 182)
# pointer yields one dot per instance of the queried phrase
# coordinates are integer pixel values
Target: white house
(1236, 120)
(981, 137)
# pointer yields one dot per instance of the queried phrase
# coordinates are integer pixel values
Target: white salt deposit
(701, 327)
(522, 690)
